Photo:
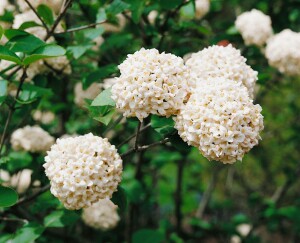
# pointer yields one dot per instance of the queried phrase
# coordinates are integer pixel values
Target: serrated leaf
(8, 55)
(46, 14)
(8, 196)
(46, 51)
(104, 98)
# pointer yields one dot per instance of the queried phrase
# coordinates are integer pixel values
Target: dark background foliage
(169, 193)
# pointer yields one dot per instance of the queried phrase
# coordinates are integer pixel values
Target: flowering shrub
(157, 121)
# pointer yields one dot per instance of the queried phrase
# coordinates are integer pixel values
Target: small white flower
(255, 27)
(283, 52)
(201, 8)
(44, 117)
(82, 170)
(101, 215)
(220, 120)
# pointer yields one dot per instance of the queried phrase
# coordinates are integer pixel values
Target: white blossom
(201, 8)
(255, 27)
(151, 83)
(220, 120)
(226, 62)
(90, 93)
(45, 117)
(83, 170)
(101, 215)
(283, 52)
(33, 139)
(55, 5)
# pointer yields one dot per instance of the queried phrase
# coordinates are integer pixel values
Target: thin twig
(11, 111)
(145, 147)
(80, 28)
(136, 143)
(133, 136)
(61, 15)
(33, 196)
(116, 122)
(24, 221)
(36, 13)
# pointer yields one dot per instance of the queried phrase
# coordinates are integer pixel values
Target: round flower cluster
(101, 215)
(151, 83)
(221, 120)
(33, 139)
(90, 93)
(255, 27)
(19, 181)
(55, 5)
(283, 52)
(226, 62)
(45, 117)
(60, 64)
(201, 8)
(83, 170)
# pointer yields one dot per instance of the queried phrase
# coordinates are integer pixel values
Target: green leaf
(188, 11)
(136, 7)
(18, 160)
(60, 218)
(93, 33)
(8, 55)
(28, 233)
(1, 32)
(101, 15)
(105, 119)
(148, 236)
(117, 6)
(21, 41)
(8, 196)
(179, 144)
(28, 24)
(134, 190)
(3, 91)
(78, 51)
(31, 92)
(46, 14)
(162, 125)
(119, 198)
(167, 4)
(232, 31)
(98, 75)
(104, 98)
(46, 51)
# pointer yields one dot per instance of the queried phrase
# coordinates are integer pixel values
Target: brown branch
(33, 196)
(80, 28)
(58, 19)
(116, 122)
(133, 136)
(145, 147)
(24, 221)
(136, 143)
(37, 15)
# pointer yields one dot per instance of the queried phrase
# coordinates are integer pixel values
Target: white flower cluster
(221, 120)
(226, 62)
(201, 8)
(83, 170)
(5, 5)
(45, 117)
(255, 27)
(90, 93)
(33, 139)
(20, 181)
(60, 64)
(55, 5)
(283, 52)
(109, 82)
(151, 83)
(101, 215)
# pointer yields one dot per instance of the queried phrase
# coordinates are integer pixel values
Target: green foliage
(8, 196)
(148, 236)
(46, 14)
(8, 55)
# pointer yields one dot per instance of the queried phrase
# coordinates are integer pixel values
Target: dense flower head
(220, 120)
(255, 27)
(33, 139)
(151, 83)
(101, 215)
(283, 52)
(83, 170)
(225, 62)
(90, 93)
(201, 8)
